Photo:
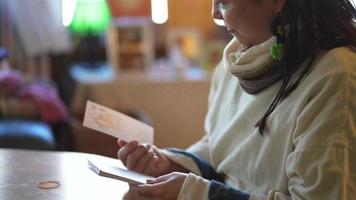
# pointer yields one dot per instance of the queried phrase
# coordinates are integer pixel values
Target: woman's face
(247, 20)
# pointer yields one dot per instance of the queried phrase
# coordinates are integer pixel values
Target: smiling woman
(247, 21)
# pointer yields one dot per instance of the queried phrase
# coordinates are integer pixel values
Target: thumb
(157, 152)
(121, 143)
(159, 179)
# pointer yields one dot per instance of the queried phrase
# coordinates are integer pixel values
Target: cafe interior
(150, 60)
(76, 75)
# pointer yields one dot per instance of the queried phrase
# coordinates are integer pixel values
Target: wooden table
(21, 170)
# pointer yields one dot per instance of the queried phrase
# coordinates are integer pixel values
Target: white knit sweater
(309, 148)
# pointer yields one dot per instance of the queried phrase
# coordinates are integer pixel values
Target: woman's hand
(165, 187)
(143, 158)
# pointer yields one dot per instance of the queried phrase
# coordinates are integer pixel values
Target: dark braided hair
(314, 26)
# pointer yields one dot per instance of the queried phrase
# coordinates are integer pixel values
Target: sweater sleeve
(323, 163)
(195, 159)
(196, 187)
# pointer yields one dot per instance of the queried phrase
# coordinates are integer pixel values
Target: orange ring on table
(48, 185)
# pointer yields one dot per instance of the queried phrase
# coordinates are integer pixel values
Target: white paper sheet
(116, 124)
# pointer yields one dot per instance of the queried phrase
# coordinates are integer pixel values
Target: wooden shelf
(130, 44)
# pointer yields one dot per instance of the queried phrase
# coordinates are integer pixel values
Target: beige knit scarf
(254, 67)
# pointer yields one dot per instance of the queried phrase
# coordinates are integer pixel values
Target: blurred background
(150, 59)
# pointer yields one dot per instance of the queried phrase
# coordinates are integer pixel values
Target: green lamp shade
(91, 17)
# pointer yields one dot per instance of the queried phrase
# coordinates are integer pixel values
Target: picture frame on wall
(184, 46)
(130, 44)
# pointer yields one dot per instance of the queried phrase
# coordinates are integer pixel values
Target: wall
(177, 107)
(193, 13)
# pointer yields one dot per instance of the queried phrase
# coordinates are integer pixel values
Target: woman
(281, 122)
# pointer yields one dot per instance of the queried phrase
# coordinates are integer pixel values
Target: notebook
(110, 170)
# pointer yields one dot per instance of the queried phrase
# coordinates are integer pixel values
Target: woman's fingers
(159, 154)
(141, 165)
(121, 143)
(154, 190)
(163, 187)
(142, 158)
(151, 168)
(160, 179)
(135, 156)
(127, 149)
